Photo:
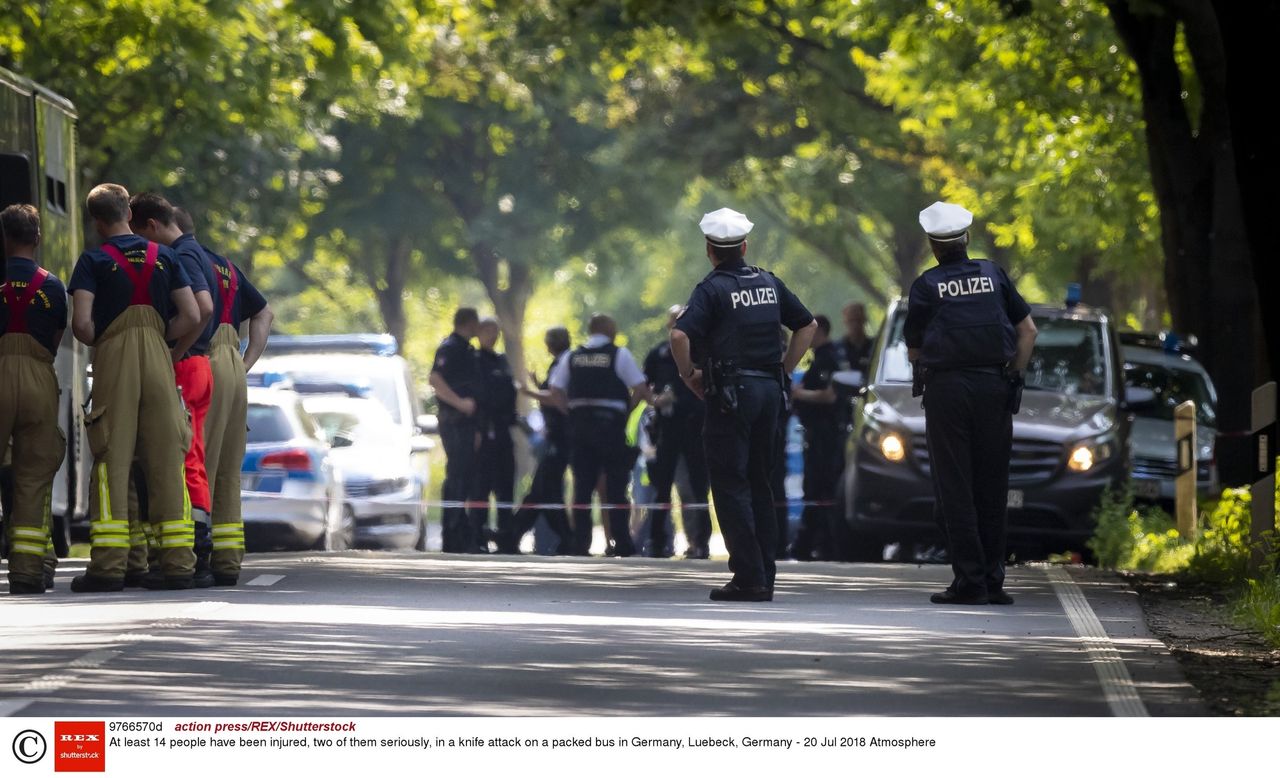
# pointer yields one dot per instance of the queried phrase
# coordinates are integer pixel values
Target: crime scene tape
(545, 506)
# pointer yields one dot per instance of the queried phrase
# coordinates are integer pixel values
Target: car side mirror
(421, 444)
(428, 424)
(341, 441)
(1137, 398)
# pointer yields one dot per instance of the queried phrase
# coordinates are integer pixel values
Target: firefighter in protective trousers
(130, 296)
(33, 315)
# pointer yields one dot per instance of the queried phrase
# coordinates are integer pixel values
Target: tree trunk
(1248, 35)
(908, 249)
(389, 290)
(1208, 266)
(509, 302)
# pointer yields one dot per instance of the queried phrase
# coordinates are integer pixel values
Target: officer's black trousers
(680, 436)
(547, 488)
(600, 448)
(740, 448)
(970, 434)
(823, 464)
(495, 474)
(459, 439)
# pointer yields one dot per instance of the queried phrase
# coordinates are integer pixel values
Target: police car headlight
(1085, 455)
(892, 447)
(1081, 459)
(890, 444)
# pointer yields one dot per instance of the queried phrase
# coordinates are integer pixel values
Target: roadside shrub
(1129, 538)
(1222, 549)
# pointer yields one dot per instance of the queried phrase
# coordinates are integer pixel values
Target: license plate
(1015, 498)
(1146, 489)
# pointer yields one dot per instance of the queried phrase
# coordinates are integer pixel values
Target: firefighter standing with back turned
(969, 336)
(33, 315)
(156, 220)
(236, 301)
(730, 328)
(130, 296)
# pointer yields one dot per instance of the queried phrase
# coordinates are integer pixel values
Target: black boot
(92, 583)
(732, 592)
(23, 586)
(225, 579)
(156, 581)
(133, 579)
(203, 577)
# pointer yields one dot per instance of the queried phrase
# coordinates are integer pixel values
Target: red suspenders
(19, 304)
(228, 284)
(141, 278)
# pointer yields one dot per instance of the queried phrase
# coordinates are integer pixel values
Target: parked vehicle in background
(375, 458)
(356, 365)
(1173, 378)
(38, 166)
(1070, 440)
(291, 492)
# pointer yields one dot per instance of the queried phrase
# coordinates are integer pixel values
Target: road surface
(365, 633)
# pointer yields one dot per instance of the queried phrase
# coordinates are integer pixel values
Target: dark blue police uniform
(732, 321)
(598, 403)
(823, 456)
(455, 361)
(495, 471)
(961, 316)
(547, 486)
(677, 434)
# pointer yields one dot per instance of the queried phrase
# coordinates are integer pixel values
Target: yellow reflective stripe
(221, 544)
(227, 529)
(167, 527)
(113, 526)
(105, 543)
(178, 542)
(104, 493)
(27, 548)
(31, 534)
(186, 501)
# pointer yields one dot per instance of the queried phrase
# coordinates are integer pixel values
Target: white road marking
(266, 580)
(1117, 685)
(95, 659)
(11, 707)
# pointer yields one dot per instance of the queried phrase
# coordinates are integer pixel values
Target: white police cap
(725, 227)
(945, 221)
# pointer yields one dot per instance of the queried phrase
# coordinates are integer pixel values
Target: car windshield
(268, 424)
(381, 385)
(1068, 357)
(1172, 387)
(362, 427)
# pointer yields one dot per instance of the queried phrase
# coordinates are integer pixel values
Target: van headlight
(1087, 454)
(890, 444)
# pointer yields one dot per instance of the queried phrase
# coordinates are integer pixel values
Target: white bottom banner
(618, 747)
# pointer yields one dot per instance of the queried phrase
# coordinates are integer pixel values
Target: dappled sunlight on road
(361, 633)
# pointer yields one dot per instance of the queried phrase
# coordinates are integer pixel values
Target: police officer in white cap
(969, 336)
(727, 350)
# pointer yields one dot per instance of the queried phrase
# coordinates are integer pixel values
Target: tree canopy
(375, 163)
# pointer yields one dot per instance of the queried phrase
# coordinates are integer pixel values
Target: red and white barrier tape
(542, 506)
